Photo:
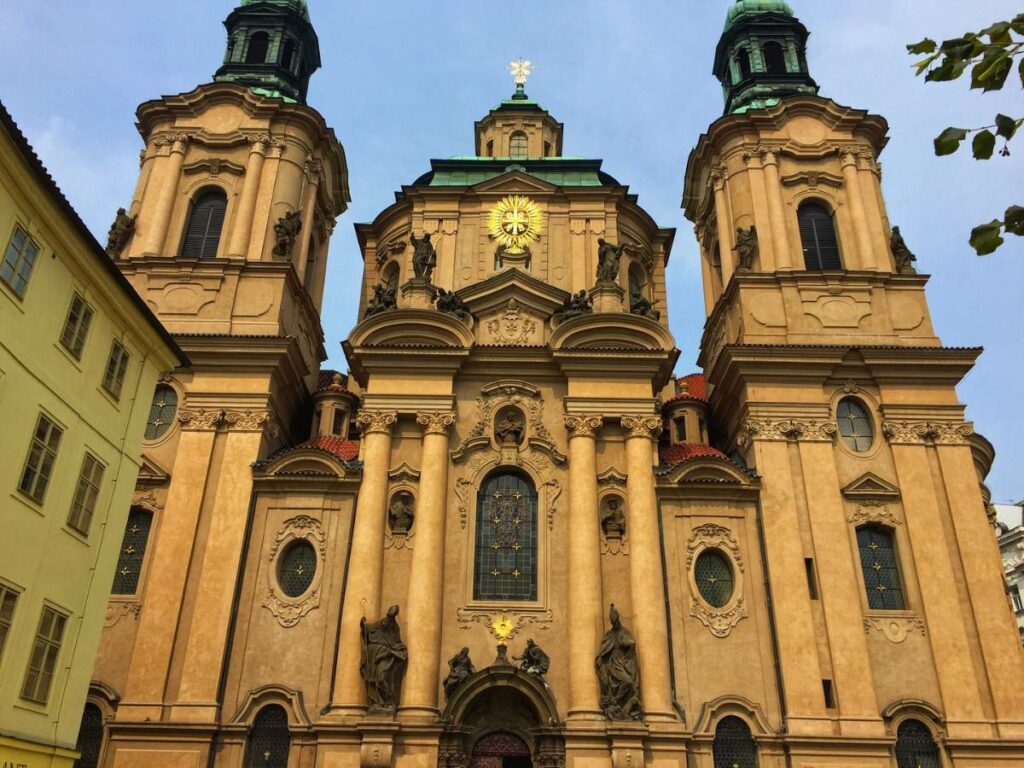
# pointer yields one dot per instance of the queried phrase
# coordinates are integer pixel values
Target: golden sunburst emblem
(515, 222)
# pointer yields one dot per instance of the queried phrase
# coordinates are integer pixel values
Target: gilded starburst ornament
(520, 69)
(515, 222)
(503, 627)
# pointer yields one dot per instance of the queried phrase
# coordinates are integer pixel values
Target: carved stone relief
(614, 530)
(896, 629)
(401, 520)
(873, 511)
(786, 430)
(505, 625)
(119, 609)
(289, 610)
(720, 621)
(513, 327)
(926, 432)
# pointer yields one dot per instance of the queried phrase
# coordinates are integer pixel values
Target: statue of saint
(450, 303)
(286, 231)
(424, 257)
(509, 429)
(608, 257)
(618, 672)
(383, 662)
(460, 669)
(401, 514)
(613, 521)
(119, 233)
(746, 247)
(901, 254)
(384, 299)
(533, 661)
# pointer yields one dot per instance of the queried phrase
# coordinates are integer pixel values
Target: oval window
(161, 412)
(713, 574)
(855, 425)
(296, 568)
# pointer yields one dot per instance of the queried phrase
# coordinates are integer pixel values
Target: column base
(584, 713)
(346, 713)
(416, 713)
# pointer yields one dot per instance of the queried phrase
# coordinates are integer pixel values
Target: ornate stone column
(585, 603)
(156, 230)
(426, 578)
(776, 209)
(238, 246)
(363, 587)
(646, 578)
(854, 196)
(725, 226)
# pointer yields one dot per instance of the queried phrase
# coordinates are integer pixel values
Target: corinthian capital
(926, 432)
(435, 423)
(199, 421)
(642, 426)
(583, 426)
(247, 421)
(370, 422)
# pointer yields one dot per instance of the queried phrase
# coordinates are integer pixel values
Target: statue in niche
(384, 299)
(286, 230)
(424, 257)
(901, 254)
(401, 514)
(578, 304)
(509, 428)
(383, 661)
(746, 247)
(613, 519)
(450, 303)
(533, 661)
(608, 258)
(618, 672)
(460, 669)
(120, 232)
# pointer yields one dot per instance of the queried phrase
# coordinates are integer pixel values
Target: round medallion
(515, 222)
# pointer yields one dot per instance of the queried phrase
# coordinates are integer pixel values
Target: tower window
(855, 425)
(547, 149)
(269, 739)
(288, 55)
(490, 148)
(880, 567)
(518, 145)
(637, 283)
(915, 747)
(743, 60)
(506, 539)
(734, 745)
(774, 57)
(259, 44)
(392, 276)
(338, 422)
(205, 222)
(818, 237)
(90, 737)
(133, 553)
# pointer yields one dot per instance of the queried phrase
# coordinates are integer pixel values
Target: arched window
(915, 747)
(881, 569)
(392, 275)
(734, 745)
(161, 412)
(774, 58)
(269, 739)
(818, 236)
(743, 59)
(288, 54)
(133, 553)
(637, 283)
(518, 145)
(506, 539)
(205, 222)
(855, 425)
(259, 44)
(90, 737)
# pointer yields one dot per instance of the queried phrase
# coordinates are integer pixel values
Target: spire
(762, 56)
(272, 48)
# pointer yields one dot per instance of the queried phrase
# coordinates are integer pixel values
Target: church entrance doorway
(501, 750)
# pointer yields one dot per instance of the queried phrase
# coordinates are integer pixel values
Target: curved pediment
(612, 331)
(412, 328)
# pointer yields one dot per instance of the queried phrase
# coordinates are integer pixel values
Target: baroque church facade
(510, 535)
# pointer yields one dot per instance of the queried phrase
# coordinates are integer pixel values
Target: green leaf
(998, 33)
(1006, 126)
(1020, 69)
(984, 144)
(986, 238)
(923, 64)
(925, 46)
(949, 140)
(1014, 222)
(950, 69)
(990, 73)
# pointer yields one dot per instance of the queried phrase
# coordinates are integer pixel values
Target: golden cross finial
(520, 69)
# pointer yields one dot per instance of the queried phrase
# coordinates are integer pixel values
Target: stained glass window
(133, 553)
(506, 539)
(161, 412)
(90, 737)
(296, 568)
(855, 425)
(915, 747)
(713, 574)
(881, 569)
(269, 739)
(734, 746)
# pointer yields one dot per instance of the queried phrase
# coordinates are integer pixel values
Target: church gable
(871, 486)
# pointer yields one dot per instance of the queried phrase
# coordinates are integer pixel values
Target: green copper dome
(751, 7)
(299, 5)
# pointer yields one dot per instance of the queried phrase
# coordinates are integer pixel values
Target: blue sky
(403, 81)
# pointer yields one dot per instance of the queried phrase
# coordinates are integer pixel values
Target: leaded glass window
(734, 745)
(133, 553)
(713, 575)
(881, 569)
(269, 739)
(915, 747)
(518, 145)
(506, 539)
(855, 425)
(19, 259)
(90, 737)
(161, 412)
(296, 568)
(818, 237)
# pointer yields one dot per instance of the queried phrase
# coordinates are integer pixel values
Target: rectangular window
(42, 454)
(45, 651)
(86, 492)
(117, 366)
(339, 421)
(1018, 604)
(812, 583)
(76, 326)
(829, 693)
(880, 568)
(19, 258)
(8, 597)
(681, 431)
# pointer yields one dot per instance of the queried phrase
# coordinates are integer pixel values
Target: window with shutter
(205, 222)
(818, 237)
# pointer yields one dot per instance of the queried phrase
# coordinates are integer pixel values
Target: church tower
(828, 380)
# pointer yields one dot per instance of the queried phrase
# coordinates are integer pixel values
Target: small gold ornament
(503, 626)
(515, 222)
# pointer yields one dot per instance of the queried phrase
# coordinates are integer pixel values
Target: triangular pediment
(871, 486)
(509, 285)
(515, 182)
(151, 473)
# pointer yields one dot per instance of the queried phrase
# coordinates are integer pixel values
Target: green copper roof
(752, 7)
(299, 5)
(559, 171)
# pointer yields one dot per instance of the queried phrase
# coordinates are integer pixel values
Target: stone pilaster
(238, 246)
(156, 227)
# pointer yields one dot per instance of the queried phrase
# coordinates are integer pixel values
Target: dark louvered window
(269, 739)
(743, 59)
(258, 46)
(818, 236)
(90, 737)
(915, 747)
(506, 539)
(881, 570)
(734, 745)
(133, 553)
(288, 55)
(774, 58)
(205, 222)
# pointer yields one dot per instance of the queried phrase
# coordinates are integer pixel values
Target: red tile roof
(346, 450)
(674, 455)
(692, 387)
(332, 381)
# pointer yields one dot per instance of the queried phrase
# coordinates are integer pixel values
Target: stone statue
(509, 429)
(533, 661)
(424, 257)
(460, 669)
(608, 257)
(401, 513)
(618, 672)
(644, 307)
(450, 303)
(120, 232)
(384, 299)
(287, 231)
(576, 305)
(383, 661)
(746, 247)
(901, 254)
(613, 520)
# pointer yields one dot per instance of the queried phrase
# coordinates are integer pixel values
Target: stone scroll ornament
(618, 672)
(460, 669)
(383, 662)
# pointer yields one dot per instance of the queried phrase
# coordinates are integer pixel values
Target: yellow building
(80, 355)
(415, 564)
